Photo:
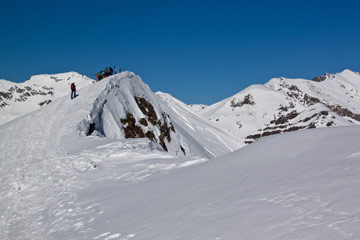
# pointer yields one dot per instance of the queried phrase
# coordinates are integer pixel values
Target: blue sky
(198, 51)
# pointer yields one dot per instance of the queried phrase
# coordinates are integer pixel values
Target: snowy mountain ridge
(17, 99)
(283, 105)
(127, 108)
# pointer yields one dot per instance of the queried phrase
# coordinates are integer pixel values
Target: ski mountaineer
(73, 90)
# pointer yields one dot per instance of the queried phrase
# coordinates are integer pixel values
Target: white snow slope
(58, 184)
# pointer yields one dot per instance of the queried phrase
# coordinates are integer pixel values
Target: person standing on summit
(73, 90)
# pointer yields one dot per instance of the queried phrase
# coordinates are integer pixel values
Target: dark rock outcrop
(132, 127)
(319, 78)
(248, 100)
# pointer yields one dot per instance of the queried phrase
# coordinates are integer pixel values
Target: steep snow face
(204, 133)
(127, 108)
(17, 99)
(284, 105)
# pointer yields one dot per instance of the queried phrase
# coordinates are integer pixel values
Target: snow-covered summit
(17, 99)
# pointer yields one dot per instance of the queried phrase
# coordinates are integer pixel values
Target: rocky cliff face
(161, 125)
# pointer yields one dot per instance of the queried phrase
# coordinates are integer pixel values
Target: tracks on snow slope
(38, 176)
(44, 164)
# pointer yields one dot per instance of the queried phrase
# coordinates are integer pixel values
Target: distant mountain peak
(17, 99)
(283, 105)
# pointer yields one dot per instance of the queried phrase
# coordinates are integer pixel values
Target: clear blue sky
(198, 51)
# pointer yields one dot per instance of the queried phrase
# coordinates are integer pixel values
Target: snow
(57, 183)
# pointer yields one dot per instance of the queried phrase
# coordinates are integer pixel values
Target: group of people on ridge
(108, 71)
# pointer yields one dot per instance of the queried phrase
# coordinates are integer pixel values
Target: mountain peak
(55, 78)
(284, 105)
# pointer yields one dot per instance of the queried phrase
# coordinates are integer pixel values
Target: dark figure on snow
(99, 75)
(73, 90)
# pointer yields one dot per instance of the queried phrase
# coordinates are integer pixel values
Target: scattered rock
(248, 100)
(319, 78)
(286, 118)
(46, 102)
(91, 129)
(344, 112)
(143, 122)
(182, 149)
(6, 95)
(147, 109)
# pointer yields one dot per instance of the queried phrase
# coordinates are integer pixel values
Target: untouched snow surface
(292, 186)
(58, 184)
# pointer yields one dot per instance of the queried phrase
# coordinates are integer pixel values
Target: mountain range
(284, 105)
(281, 105)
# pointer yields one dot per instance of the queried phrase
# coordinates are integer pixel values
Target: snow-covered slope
(45, 157)
(302, 185)
(284, 105)
(56, 184)
(17, 99)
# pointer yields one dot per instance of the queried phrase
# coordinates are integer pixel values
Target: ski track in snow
(42, 181)
(312, 213)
